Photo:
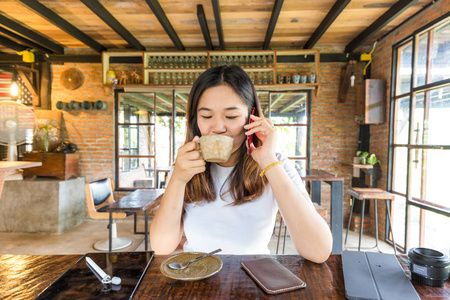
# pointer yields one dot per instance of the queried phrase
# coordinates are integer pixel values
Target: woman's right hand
(189, 162)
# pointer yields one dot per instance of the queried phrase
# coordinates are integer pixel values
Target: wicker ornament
(72, 79)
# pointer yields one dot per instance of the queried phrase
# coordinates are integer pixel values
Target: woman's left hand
(263, 128)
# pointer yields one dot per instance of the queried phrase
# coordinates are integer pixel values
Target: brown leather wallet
(271, 276)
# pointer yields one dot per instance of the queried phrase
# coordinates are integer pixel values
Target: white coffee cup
(216, 148)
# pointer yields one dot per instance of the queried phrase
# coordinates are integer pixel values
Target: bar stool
(367, 194)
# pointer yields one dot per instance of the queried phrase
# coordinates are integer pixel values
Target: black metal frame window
(128, 137)
(419, 139)
(135, 140)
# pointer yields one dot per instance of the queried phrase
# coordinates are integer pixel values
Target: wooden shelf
(359, 166)
(234, 57)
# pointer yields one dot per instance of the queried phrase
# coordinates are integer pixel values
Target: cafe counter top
(25, 277)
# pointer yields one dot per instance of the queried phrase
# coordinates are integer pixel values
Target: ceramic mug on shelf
(287, 79)
(280, 79)
(302, 78)
(295, 78)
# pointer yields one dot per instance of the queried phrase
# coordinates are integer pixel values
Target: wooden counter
(24, 277)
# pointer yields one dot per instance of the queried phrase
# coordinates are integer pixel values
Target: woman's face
(221, 111)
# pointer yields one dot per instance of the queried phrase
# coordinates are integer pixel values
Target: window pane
(399, 169)
(440, 63)
(136, 108)
(141, 177)
(417, 135)
(436, 232)
(438, 120)
(402, 121)
(299, 164)
(180, 123)
(288, 108)
(292, 140)
(421, 66)
(428, 181)
(416, 173)
(139, 138)
(413, 226)
(436, 181)
(404, 70)
(163, 135)
(398, 219)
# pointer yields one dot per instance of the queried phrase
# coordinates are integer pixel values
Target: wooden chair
(99, 194)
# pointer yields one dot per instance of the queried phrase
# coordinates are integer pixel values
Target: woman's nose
(218, 126)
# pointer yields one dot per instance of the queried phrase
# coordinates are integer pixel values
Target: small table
(336, 202)
(137, 201)
(6, 166)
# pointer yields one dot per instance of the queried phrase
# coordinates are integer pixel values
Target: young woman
(233, 205)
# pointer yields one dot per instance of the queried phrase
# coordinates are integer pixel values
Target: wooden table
(26, 276)
(336, 201)
(138, 201)
(6, 166)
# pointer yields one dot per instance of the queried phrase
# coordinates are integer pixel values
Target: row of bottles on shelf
(174, 78)
(177, 62)
(201, 62)
(188, 78)
(245, 61)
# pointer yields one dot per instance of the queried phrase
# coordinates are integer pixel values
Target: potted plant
(372, 159)
(362, 156)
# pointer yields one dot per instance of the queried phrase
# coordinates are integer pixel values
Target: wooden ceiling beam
(272, 23)
(11, 44)
(183, 97)
(334, 12)
(288, 105)
(31, 35)
(165, 23)
(216, 9)
(382, 21)
(168, 101)
(25, 41)
(55, 19)
(112, 22)
(204, 26)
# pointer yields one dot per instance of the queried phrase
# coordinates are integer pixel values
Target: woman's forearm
(166, 228)
(309, 231)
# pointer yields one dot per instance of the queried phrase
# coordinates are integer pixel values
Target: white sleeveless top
(241, 229)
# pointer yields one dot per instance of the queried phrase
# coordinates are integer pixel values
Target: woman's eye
(206, 117)
(232, 117)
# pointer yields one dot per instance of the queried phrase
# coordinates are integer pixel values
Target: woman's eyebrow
(208, 109)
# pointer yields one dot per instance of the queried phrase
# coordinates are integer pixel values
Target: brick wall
(91, 130)
(381, 69)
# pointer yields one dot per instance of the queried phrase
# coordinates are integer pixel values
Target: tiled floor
(80, 240)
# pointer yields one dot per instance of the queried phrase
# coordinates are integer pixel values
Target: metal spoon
(183, 265)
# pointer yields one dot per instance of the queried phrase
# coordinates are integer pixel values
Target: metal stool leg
(349, 221)
(390, 225)
(362, 224)
(284, 238)
(376, 224)
(279, 232)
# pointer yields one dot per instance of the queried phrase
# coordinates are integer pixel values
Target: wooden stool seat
(370, 194)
